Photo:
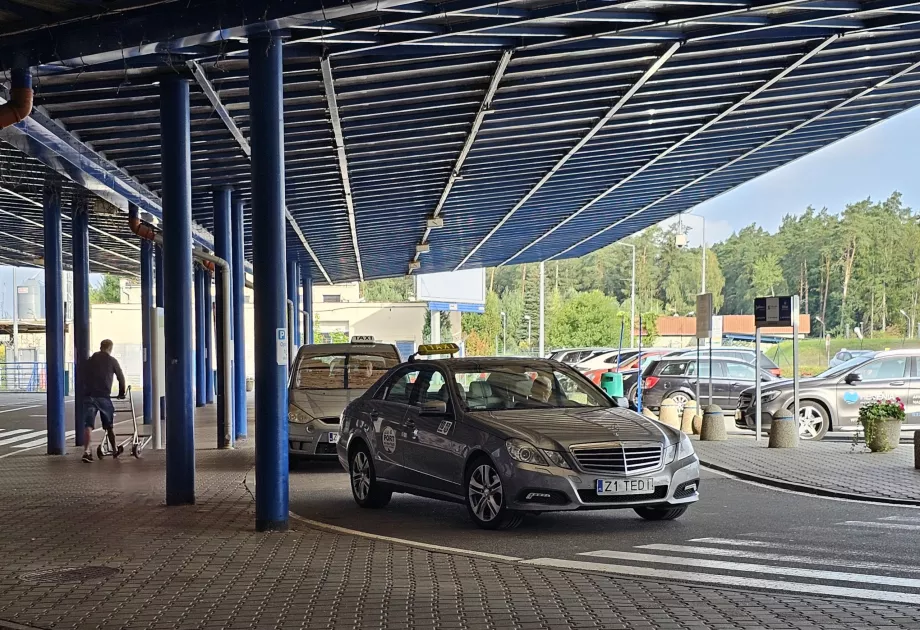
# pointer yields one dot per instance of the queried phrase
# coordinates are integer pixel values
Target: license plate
(333, 437)
(644, 485)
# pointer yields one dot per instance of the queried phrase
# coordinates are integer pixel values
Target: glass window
(340, 370)
(525, 387)
(915, 367)
(400, 389)
(436, 390)
(740, 371)
(890, 368)
(717, 369)
(676, 368)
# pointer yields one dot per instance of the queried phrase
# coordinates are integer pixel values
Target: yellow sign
(438, 348)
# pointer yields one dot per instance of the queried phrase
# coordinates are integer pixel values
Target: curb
(815, 490)
(9, 625)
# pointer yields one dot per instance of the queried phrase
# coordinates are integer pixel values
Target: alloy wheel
(485, 493)
(811, 422)
(360, 475)
(680, 400)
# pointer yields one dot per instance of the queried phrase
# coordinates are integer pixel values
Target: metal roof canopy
(442, 135)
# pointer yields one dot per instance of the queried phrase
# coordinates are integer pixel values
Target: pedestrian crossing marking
(746, 567)
(874, 525)
(20, 437)
(16, 438)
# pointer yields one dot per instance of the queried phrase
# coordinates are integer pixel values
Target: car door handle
(896, 383)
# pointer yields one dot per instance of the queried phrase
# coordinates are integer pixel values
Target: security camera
(680, 241)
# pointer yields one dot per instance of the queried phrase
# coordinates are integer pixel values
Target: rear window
(341, 370)
(673, 368)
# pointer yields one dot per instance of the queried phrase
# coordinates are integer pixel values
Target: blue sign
(456, 306)
(851, 398)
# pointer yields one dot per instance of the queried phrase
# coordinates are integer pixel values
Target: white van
(324, 379)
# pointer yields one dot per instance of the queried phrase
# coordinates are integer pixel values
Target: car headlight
(556, 459)
(679, 451)
(298, 417)
(525, 452)
(764, 398)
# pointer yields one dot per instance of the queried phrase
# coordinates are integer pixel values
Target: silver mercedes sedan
(507, 437)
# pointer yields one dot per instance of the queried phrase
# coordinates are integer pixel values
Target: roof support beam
(848, 101)
(209, 91)
(339, 139)
(687, 138)
(484, 108)
(611, 112)
(306, 245)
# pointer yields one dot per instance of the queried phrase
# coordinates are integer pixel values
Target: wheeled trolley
(137, 439)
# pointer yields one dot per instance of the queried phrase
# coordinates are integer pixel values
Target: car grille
(591, 496)
(745, 400)
(617, 458)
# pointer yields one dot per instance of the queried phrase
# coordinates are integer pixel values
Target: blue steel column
(293, 292)
(54, 315)
(146, 306)
(307, 280)
(208, 340)
(80, 249)
(200, 380)
(177, 284)
(223, 249)
(266, 122)
(239, 329)
(158, 284)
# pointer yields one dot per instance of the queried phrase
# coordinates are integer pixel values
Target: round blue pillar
(177, 288)
(146, 324)
(293, 292)
(159, 299)
(200, 349)
(307, 280)
(208, 340)
(239, 331)
(266, 121)
(223, 248)
(54, 315)
(81, 312)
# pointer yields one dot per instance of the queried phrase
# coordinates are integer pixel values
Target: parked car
(831, 400)
(845, 355)
(628, 367)
(324, 379)
(508, 437)
(571, 356)
(742, 354)
(607, 360)
(675, 379)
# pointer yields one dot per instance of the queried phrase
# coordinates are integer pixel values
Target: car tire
(680, 399)
(661, 514)
(366, 490)
(813, 420)
(482, 485)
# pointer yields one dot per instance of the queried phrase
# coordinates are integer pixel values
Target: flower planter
(886, 436)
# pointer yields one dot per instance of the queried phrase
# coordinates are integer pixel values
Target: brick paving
(203, 566)
(834, 468)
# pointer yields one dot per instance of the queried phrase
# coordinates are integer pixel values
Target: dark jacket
(100, 369)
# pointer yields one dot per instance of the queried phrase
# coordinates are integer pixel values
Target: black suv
(675, 378)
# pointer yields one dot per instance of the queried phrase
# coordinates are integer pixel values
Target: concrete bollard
(668, 414)
(917, 450)
(713, 429)
(686, 421)
(784, 431)
(648, 413)
(697, 424)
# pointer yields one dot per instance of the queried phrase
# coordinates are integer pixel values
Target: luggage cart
(138, 438)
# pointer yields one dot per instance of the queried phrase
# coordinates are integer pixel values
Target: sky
(873, 163)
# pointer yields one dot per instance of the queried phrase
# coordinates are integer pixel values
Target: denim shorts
(102, 406)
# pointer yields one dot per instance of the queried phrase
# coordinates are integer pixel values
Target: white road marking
(875, 525)
(755, 555)
(21, 437)
(730, 541)
(42, 441)
(5, 433)
(903, 519)
(732, 581)
(18, 409)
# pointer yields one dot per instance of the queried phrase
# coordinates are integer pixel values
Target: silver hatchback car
(510, 436)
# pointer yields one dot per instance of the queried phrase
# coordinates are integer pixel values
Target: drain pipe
(20, 104)
(210, 262)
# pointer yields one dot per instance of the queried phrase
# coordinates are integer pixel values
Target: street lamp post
(527, 317)
(632, 297)
(910, 324)
(504, 333)
(703, 275)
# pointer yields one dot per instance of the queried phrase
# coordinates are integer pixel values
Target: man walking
(99, 372)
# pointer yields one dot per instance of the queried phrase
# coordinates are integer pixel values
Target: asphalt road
(738, 535)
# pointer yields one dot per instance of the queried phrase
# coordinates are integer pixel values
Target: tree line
(858, 267)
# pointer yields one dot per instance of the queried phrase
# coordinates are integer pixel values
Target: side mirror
(853, 378)
(433, 408)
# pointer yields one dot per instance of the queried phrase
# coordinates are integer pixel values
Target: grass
(813, 356)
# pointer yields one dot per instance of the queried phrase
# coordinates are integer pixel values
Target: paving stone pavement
(204, 566)
(834, 467)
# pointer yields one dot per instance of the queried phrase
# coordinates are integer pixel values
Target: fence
(29, 377)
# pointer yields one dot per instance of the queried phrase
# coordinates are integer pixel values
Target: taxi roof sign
(363, 339)
(430, 349)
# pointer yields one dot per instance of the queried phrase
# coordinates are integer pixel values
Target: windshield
(519, 387)
(845, 367)
(341, 370)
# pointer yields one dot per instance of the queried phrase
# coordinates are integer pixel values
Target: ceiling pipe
(19, 106)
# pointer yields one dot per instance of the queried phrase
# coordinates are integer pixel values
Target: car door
(741, 376)
(388, 412)
(912, 402)
(721, 386)
(431, 457)
(880, 379)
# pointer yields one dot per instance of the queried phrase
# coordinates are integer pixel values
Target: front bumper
(315, 444)
(747, 415)
(549, 489)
